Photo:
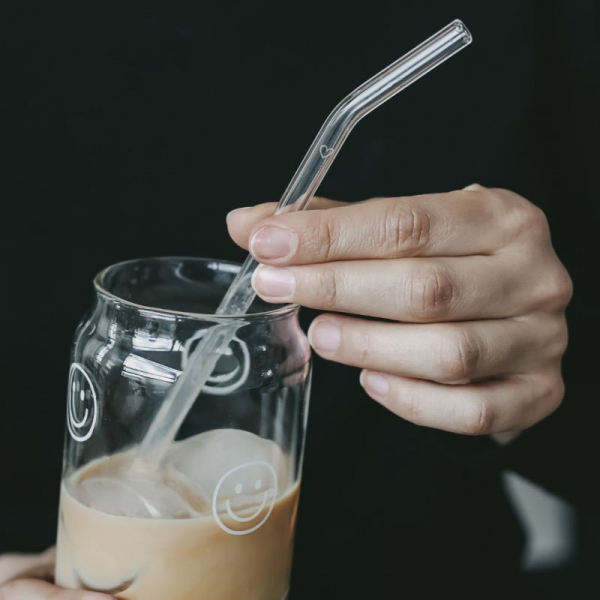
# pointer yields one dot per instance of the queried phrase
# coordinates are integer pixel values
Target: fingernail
(233, 212)
(273, 283)
(325, 335)
(272, 242)
(374, 383)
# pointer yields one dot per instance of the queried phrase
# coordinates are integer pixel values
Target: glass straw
(300, 191)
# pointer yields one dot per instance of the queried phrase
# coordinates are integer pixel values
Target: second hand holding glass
(300, 191)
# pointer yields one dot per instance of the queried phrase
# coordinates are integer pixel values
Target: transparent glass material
(216, 518)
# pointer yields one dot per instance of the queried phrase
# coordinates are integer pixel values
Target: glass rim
(101, 289)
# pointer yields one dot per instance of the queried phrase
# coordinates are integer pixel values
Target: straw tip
(462, 29)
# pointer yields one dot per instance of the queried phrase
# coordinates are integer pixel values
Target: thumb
(32, 589)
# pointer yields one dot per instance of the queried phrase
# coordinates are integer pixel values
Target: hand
(469, 283)
(29, 577)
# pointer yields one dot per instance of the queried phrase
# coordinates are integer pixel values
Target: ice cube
(242, 464)
(132, 498)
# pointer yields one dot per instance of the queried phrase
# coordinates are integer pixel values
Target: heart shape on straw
(325, 151)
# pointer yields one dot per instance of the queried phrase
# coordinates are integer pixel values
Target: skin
(470, 298)
(29, 577)
(466, 285)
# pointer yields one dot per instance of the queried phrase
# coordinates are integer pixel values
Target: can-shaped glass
(215, 517)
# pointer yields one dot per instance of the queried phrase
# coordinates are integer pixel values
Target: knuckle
(410, 408)
(316, 238)
(562, 339)
(327, 288)
(530, 221)
(501, 197)
(558, 339)
(560, 288)
(479, 417)
(521, 217)
(406, 229)
(327, 237)
(364, 347)
(557, 394)
(461, 357)
(553, 392)
(430, 294)
(536, 223)
(475, 187)
(551, 290)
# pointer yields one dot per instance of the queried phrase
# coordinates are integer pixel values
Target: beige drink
(217, 522)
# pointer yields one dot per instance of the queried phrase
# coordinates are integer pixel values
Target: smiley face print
(82, 404)
(244, 497)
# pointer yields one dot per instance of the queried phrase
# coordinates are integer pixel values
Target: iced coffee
(215, 521)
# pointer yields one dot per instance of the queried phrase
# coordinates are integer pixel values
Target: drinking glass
(215, 519)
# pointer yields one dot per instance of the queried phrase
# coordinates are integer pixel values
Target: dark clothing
(135, 127)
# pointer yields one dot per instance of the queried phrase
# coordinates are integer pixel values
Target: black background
(134, 127)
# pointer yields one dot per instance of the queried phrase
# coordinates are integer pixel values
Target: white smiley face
(237, 362)
(257, 479)
(82, 404)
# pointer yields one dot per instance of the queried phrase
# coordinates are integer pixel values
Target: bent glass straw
(300, 191)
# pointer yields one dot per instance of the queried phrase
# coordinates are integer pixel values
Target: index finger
(458, 223)
(241, 221)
